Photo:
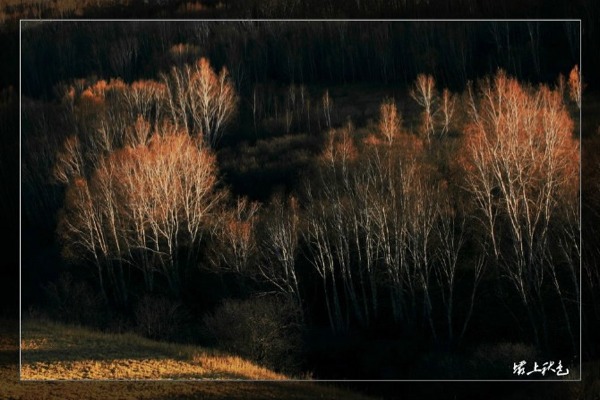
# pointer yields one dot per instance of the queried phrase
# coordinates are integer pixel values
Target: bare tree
(69, 161)
(200, 100)
(212, 101)
(522, 156)
(327, 105)
(146, 206)
(447, 106)
(139, 133)
(80, 231)
(421, 212)
(575, 86)
(177, 84)
(322, 259)
(424, 93)
(145, 99)
(533, 28)
(123, 54)
(390, 121)
(280, 247)
(451, 236)
(237, 230)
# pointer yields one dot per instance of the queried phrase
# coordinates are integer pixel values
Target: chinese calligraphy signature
(547, 367)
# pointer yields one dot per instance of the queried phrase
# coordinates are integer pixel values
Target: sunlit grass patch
(12, 388)
(225, 364)
(52, 351)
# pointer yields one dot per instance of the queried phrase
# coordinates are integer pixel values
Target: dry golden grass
(213, 368)
(12, 388)
(52, 351)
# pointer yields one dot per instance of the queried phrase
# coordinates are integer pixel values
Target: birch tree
(279, 248)
(146, 207)
(390, 121)
(521, 158)
(200, 100)
(424, 93)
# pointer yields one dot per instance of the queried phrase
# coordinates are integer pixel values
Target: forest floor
(53, 351)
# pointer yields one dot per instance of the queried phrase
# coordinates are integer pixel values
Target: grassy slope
(12, 388)
(55, 351)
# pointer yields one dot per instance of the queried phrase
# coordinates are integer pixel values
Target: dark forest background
(436, 64)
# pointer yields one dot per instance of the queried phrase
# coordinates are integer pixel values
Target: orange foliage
(521, 158)
(94, 99)
(150, 87)
(340, 146)
(143, 198)
(390, 121)
(183, 49)
(139, 133)
(517, 123)
(575, 85)
(372, 140)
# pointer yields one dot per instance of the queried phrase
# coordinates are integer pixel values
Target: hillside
(61, 338)
(52, 351)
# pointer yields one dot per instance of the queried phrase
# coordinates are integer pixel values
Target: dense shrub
(265, 329)
(159, 318)
(73, 301)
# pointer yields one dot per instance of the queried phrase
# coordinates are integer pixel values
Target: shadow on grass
(83, 354)
(50, 342)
